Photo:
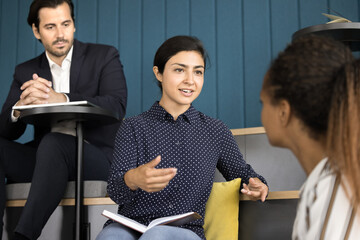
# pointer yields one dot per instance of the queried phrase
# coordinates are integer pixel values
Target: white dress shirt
(61, 84)
(61, 74)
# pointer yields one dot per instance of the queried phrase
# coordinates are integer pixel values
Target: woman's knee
(116, 231)
(169, 232)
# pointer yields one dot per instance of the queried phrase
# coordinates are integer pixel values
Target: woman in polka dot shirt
(165, 158)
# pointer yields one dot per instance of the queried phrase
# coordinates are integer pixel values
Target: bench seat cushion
(92, 189)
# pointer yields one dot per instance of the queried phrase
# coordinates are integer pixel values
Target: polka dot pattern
(195, 144)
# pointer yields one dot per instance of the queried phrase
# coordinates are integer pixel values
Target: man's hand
(256, 189)
(38, 91)
(149, 178)
(35, 91)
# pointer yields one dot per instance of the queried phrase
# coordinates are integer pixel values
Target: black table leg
(80, 232)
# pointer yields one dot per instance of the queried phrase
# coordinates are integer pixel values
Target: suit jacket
(96, 75)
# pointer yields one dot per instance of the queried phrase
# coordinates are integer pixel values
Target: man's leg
(164, 232)
(17, 163)
(55, 166)
(116, 231)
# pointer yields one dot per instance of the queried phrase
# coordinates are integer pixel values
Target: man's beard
(61, 52)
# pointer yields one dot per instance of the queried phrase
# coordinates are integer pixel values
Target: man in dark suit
(68, 70)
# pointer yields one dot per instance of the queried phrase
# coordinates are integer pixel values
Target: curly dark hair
(304, 75)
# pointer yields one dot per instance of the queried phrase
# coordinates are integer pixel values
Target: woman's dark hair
(36, 5)
(174, 45)
(304, 75)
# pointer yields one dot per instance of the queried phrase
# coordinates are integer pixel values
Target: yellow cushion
(222, 210)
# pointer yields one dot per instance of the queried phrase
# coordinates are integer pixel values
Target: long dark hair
(343, 139)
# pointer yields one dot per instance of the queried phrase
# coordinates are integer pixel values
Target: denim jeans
(116, 231)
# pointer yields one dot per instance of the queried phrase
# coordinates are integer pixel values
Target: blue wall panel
(131, 52)
(26, 41)
(153, 36)
(257, 55)
(108, 22)
(177, 18)
(8, 44)
(284, 22)
(86, 20)
(241, 36)
(229, 63)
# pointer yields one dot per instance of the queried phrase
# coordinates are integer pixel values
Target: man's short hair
(36, 5)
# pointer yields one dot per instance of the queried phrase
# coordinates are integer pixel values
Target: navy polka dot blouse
(195, 144)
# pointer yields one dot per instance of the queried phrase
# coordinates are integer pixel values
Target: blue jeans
(116, 231)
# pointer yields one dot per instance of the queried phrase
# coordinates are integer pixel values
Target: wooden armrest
(276, 195)
(248, 131)
(67, 202)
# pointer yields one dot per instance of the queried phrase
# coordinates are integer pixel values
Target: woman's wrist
(128, 180)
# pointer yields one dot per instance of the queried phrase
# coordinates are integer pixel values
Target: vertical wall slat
(86, 28)
(230, 81)
(153, 35)
(177, 22)
(284, 22)
(131, 52)
(9, 23)
(257, 56)
(25, 39)
(108, 22)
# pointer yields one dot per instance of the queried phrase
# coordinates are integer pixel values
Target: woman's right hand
(149, 178)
